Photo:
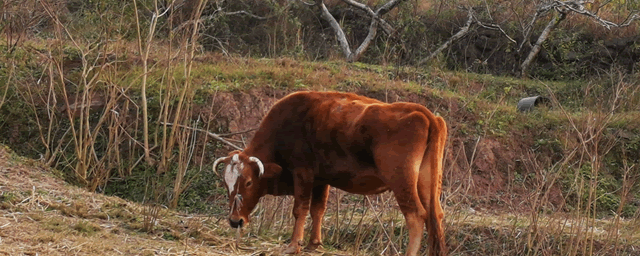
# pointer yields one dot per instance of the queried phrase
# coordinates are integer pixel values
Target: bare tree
(562, 9)
(144, 50)
(376, 20)
(472, 22)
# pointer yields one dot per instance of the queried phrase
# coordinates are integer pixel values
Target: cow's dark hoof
(312, 247)
(236, 224)
(292, 249)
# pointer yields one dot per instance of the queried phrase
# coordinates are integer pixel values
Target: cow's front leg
(319, 197)
(302, 195)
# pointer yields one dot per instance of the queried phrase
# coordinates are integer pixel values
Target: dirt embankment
(483, 172)
(42, 215)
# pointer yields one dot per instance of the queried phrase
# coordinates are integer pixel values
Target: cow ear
(271, 170)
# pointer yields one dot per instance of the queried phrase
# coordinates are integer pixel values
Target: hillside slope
(42, 215)
(508, 175)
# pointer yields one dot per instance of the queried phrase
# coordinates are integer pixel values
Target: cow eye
(248, 184)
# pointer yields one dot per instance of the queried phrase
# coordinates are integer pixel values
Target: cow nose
(236, 223)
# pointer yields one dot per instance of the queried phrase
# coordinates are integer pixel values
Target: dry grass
(42, 215)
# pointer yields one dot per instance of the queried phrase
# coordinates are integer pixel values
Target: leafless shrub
(20, 18)
(150, 213)
(561, 9)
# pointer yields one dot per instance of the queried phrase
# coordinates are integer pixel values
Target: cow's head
(243, 176)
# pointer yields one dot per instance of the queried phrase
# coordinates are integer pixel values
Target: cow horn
(258, 162)
(217, 162)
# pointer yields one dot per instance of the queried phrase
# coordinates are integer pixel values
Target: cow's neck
(276, 185)
(260, 153)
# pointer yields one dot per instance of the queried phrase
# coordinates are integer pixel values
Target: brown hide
(312, 140)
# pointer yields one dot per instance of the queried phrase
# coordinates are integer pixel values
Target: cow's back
(334, 134)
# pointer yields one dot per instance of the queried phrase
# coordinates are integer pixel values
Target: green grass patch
(86, 227)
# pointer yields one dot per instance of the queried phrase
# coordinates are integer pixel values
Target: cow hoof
(292, 249)
(312, 247)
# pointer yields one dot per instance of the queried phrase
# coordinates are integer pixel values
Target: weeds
(150, 215)
(86, 228)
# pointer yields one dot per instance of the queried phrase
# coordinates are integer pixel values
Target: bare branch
(578, 7)
(340, 36)
(373, 27)
(245, 13)
(360, 6)
(213, 135)
(543, 36)
(367, 41)
(563, 8)
(497, 28)
(388, 6)
(374, 15)
(541, 11)
(463, 31)
(220, 12)
(235, 133)
(307, 3)
(471, 20)
(527, 33)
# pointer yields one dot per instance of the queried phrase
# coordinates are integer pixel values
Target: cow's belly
(364, 185)
(350, 173)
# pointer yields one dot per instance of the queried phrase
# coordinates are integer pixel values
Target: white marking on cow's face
(231, 175)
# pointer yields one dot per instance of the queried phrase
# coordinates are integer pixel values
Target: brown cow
(312, 140)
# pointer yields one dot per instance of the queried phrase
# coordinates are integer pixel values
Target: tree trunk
(463, 31)
(543, 36)
(373, 28)
(340, 36)
(352, 56)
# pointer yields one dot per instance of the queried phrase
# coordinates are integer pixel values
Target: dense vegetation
(117, 98)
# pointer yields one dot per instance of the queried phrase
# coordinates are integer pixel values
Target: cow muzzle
(236, 223)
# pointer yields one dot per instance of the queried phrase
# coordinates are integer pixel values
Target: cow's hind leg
(399, 164)
(319, 197)
(403, 182)
(414, 215)
(433, 219)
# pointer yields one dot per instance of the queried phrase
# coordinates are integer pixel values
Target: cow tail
(433, 158)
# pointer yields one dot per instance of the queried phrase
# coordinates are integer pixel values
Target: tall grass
(93, 118)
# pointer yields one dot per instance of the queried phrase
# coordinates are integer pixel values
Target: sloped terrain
(513, 183)
(42, 215)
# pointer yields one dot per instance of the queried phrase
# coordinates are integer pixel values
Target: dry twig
(213, 135)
